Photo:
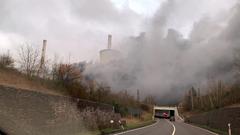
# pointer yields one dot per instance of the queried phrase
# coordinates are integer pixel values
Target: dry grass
(233, 106)
(12, 78)
(136, 121)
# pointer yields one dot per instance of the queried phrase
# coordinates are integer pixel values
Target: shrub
(6, 61)
(98, 119)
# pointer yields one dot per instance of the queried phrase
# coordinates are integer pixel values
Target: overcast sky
(80, 27)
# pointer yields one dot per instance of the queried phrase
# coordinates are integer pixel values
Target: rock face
(219, 119)
(25, 112)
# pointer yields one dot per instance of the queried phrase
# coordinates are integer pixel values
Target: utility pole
(191, 92)
(199, 98)
(138, 96)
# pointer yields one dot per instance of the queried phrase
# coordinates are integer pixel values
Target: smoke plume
(180, 45)
(163, 63)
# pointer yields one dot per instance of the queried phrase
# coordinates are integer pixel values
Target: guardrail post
(229, 129)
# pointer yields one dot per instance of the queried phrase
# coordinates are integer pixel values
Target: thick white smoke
(176, 50)
(163, 63)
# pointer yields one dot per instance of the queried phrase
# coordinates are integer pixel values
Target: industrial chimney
(109, 41)
(109, 55)
(42, 61)
(43, 52)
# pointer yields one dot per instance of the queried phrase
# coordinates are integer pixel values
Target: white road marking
(180, 118)
(201, 129)
(136, 129)
(174, 128)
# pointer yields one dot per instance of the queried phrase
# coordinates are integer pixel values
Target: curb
(119, 131)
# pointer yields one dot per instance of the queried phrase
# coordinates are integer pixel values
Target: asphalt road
(165, 127)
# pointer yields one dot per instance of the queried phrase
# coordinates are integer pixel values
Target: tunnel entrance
(162, 113)
(165, 114)
(172, 113)
(2, 133)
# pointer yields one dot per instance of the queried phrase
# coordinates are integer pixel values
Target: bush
(98, 119)
(122, 110)
(146, 107)
(6, 61)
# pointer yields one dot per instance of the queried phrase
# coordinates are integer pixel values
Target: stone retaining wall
(25, 112)
(219, 119)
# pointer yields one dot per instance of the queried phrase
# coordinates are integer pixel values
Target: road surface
(165, 127)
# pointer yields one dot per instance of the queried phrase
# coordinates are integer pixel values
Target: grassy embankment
(13, 78)
(132, 123)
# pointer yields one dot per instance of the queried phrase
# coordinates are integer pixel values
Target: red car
(165, 115)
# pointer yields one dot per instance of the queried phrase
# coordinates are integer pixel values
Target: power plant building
(109, 55)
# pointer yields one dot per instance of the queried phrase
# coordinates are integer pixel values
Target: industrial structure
(109, 55)
(42, 61)
(165, 112)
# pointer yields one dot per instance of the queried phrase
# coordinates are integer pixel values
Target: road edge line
(174, 128)
(137, 129)
(180, 117)
(202, 129)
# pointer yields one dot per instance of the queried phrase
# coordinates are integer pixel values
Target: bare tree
(150, 100)
(66, 73)
(6, 60)
(237, 65)
(28, 59)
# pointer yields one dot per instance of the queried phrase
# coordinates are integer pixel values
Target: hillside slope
(13, 78)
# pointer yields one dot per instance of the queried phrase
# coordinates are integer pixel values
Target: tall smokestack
(43, 51)
(109, 41)
(42, 62)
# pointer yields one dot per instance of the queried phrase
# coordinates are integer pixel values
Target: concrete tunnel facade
(159, 110)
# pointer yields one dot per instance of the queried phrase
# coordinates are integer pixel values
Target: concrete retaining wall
(219, 119)
(25, 112)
